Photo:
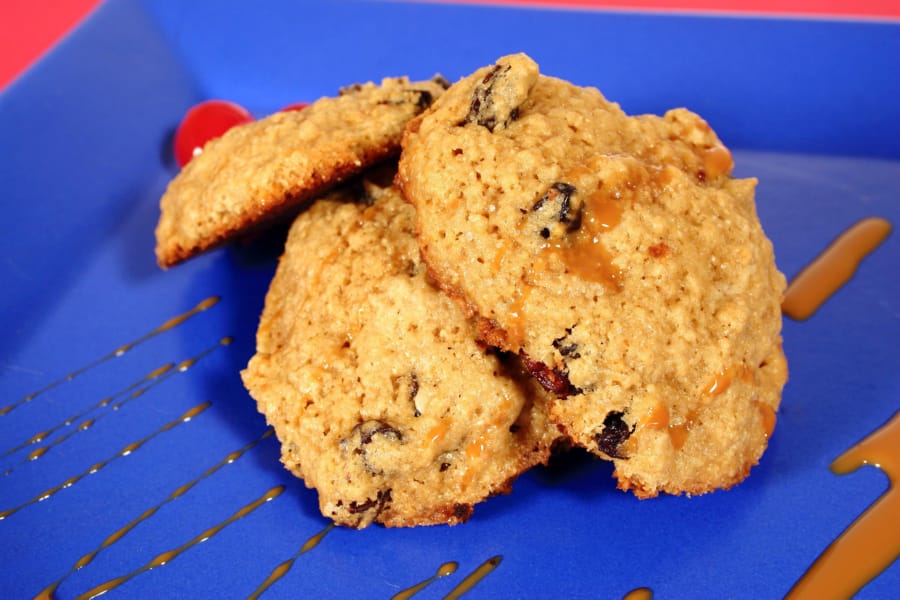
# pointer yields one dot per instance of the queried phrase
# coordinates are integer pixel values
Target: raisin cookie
(264, 170)
(373, 380)
(618, 257)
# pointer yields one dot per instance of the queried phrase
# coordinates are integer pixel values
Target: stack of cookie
(546, 271)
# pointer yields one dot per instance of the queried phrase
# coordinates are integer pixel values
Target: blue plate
(154, 404)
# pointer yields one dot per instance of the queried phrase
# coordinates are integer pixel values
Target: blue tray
(809, 106)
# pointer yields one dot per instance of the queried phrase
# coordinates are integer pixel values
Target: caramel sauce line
(872, 542)
(473, 578)
(133, 391)
(40, 436)
(282, 569)
(834, 267)
(170, 555)
(448, 568)
(170, 324)
(42, 450)
(93, 469)
(47, 593)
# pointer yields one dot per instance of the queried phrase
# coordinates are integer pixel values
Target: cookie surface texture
(373, 381)
(618, 256)
(265, 170)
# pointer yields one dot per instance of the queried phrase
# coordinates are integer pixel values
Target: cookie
(265, 170)
(373, 380)
(618, 257)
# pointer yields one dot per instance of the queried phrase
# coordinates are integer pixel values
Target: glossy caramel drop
(448, 568)
(833, 268)
(767, 417)
(719, 383)
(872, 542)
(717, 162)
(657, 418)
(586, 256)
(437, 433)
(473, 578)
(641, 593)
(282, 569)
(678, 435)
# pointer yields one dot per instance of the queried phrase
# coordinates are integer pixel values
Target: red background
(28, 28)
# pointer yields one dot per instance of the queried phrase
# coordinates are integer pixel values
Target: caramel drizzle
(282, 569)
(170, 555)
(474, 577)
(170, 324)
(641, 593)
(872, 542)
(834, 267)
(153, 378)
(47, 593)
(586, 256)
(93, 469)
(42, 450)
(448, 568)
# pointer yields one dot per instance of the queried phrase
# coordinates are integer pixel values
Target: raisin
(413, 385)
(483, 110)
(462, 511)
(553, 380)
(424, 100)
(560, 194)
(441, 81)
(615, 432)
(382, 498)
(558, 212)
(566, 348)
(406, 387)
(350, 89)
(370, 429)
(364, 434)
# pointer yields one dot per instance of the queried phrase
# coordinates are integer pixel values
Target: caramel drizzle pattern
(170, 324)
(473, 578)
(812, 285)
(448, 568)
(282, 569)
(93, 469)
(47, 593)
(834, 267)
(170, 555)
(152, 379)
(42, 450)
(872, 542)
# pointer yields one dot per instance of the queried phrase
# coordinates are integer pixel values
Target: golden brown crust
(266, 170)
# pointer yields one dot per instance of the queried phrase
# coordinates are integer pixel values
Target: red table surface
(28, 28)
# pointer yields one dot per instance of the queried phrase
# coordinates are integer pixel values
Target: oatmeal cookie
(265, 170)
(618, 257)
(373, 380)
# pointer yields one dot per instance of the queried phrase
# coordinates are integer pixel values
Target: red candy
(203, 122)
(295, 106)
